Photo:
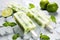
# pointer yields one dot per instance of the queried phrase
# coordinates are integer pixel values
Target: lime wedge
(7, 12)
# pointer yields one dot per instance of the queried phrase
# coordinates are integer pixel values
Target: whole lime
(43, 4)
(52, 7)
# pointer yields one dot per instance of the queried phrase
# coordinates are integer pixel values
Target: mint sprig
(53, 18)
(44, 37)
(31, 6)
(15, 36)
(9, 24)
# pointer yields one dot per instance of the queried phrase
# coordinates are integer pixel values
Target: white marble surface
(6, 33)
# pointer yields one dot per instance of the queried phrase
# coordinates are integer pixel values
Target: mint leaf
(12, 24)
(53, 18)
(31, 6)
(6, 24)
(15, 36)
(44, 37)
(9, 24)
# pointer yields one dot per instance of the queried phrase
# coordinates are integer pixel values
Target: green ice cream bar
(24, 21)
(37, 17)
(40, 18)
(16, 7)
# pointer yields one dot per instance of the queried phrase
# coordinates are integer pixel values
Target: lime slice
(7, 12)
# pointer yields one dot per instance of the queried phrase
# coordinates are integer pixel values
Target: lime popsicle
(24, 21)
